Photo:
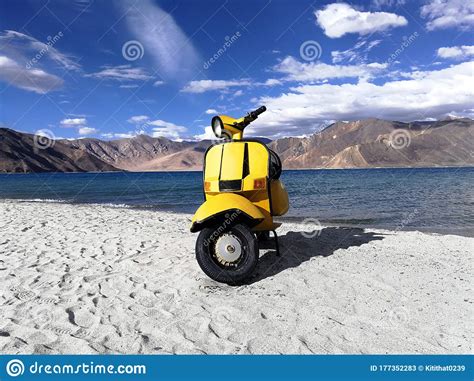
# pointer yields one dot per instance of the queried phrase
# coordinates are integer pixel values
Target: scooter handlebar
(257, 112)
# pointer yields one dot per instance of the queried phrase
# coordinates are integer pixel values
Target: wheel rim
(228, 249)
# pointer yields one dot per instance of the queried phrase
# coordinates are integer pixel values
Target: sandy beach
(97, 279)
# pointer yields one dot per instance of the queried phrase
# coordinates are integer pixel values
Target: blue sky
(116, 69)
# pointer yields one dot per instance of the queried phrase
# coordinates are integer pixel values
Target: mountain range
(358, 144)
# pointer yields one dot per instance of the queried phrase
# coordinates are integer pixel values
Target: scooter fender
(226, 208)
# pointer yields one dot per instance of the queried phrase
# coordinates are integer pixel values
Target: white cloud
(84, 131)
(339, 19)
(35, 80)
(272, 82)
(428, 94)
(211, 111)
(73, 122)
(207, 135)
(387, 3)
(295, 70)
(162, 38)
(159, 128)
(158, 83)
(456, 52)
(112, 135)
(80, 124)
(138, 119)
(121, 73)
(358, 53)
(204, 85)
(128, 86)
(442, 14)
(166, 129)
(15, 43)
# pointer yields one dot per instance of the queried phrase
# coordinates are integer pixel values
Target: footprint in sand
(60, 330)
(106, 290)
(47, 301)
(41, 318)
(81, 317)
(144, 298)
(24, 296)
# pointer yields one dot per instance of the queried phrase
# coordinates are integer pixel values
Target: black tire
(237, 272)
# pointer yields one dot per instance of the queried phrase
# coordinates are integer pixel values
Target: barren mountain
(380, 143)
(359, 144)
(21, 152)
(134, 154)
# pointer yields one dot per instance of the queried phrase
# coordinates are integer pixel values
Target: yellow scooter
(242, 194)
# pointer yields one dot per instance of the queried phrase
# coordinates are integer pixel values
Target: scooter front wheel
(228, 256)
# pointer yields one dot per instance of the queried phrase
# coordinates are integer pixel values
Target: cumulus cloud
(158, 83)
(442, 14)
(166, 129)
(456, 52)
(272, 82)
(204, 85)
(73, 122)
(35, 80)
(159, 128)
(114, 135)
(295, 70)
(137, 119)
(84, 131)
(338, 19)
(162, 38)
(80, 124)
(207, 135)
(121, 73)
(211, 111)
(424, 94)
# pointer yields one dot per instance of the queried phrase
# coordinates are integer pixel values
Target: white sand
(95, 279)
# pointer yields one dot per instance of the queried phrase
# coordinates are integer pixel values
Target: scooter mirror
(218, 127)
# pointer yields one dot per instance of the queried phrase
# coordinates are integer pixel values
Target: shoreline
(468, 232)
(286, 169)
(95, 279)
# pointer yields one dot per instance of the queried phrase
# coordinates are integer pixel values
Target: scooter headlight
(217, 127)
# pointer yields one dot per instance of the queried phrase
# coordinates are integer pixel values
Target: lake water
(435, 199)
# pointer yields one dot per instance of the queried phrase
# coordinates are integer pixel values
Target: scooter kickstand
(277, 246)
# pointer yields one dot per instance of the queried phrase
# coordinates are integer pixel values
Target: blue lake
(434, 199)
